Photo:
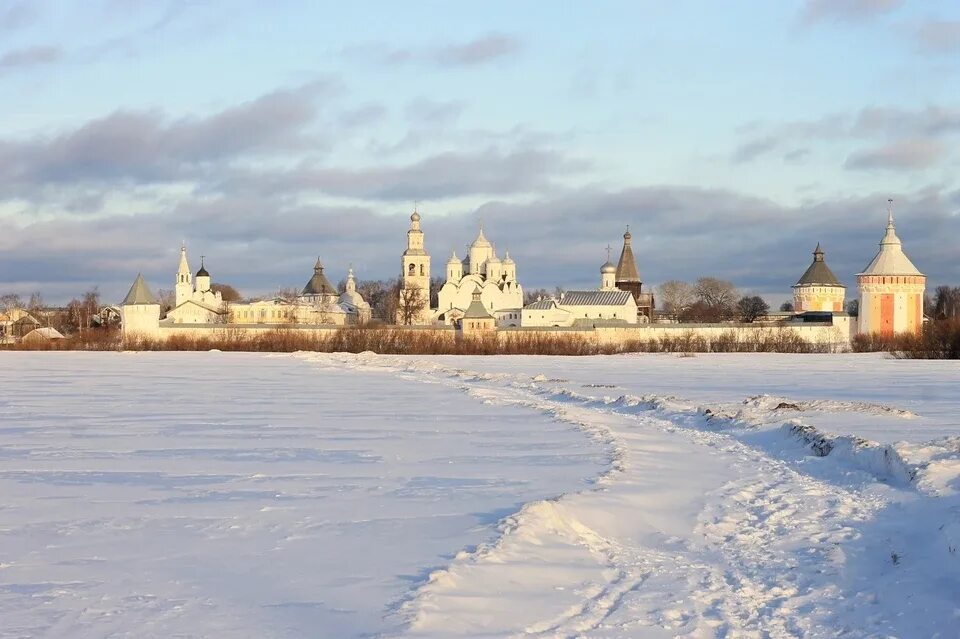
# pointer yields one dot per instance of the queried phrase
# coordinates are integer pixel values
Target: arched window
(412, 270)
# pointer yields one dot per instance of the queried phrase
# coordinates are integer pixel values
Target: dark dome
(202, 272)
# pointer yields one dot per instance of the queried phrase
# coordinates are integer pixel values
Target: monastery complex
(482, 293)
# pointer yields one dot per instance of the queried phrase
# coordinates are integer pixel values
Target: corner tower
(818, 289)
(891, 288)
(414, 307)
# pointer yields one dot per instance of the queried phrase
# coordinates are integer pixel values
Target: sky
(731, 137)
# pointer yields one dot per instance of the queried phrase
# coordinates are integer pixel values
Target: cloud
(815, 11)
(796, 155)
(433, 112)
(938, 37)
(909, 154)
(753, 149)
(480, 50)
(17, 15)
(29, 57)
(443, 175)
(932, 121)
(148, 146)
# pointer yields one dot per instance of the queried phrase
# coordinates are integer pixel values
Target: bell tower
(414, 307)
(184, 284)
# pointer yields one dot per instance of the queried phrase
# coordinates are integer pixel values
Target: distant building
(195, 303)
(414, 278)
(476, 319)
(500, 292)
(42, 335)
(607, 305)
(140, 312)
(627, 277)
(818, 289)
(15, 323)
(891, 289)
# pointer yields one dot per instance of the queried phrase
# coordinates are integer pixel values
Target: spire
(627, 266)
(184, 268)
(318, 267)
(818, 253)
(203, 271)
(890, 237)
(351, 282)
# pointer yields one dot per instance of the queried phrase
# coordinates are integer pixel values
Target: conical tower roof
(890, 259)
(319, 284)
(476, 310)
(818, 273)
(627, 266)
(139, 293)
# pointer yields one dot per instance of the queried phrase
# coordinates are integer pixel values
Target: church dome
(507, 259)
(202, 272)
(481, 241)
(453, 259)
(609, 267)
(415, 217)
(493, 259)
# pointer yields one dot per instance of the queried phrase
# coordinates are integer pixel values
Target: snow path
(692, 533)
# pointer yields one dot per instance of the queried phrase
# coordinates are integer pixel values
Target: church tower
(891, 288)
(627, 276)
(415, 275)
(184, 285)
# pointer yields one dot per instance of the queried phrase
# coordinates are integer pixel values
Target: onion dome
(202, 272)
(415, 217)
(453, 259)
(507, 259)
(493, 259)
(609, 267)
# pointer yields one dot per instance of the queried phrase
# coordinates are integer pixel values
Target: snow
(337, 495)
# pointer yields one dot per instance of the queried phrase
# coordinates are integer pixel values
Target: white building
(818, 289)
(891, 288)
(607, 306)
(500, 292)
(140, 312)
(195, 304)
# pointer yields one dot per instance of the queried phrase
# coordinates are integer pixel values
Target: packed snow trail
(691, 533)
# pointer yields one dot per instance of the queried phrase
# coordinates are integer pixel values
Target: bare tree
(532, 295)
(227, 292)
(717, 295)
(946, 303)
(752, 308)
(412, 302)
(676, 296)
(167, 298)
(786, 307)
(9, 302)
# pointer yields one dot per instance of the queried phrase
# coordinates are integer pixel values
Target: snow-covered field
(314, 495)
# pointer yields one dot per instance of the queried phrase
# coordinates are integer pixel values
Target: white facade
(414, 278)
(496, 279)
(140, 313)
(195, 304)
(608, 304)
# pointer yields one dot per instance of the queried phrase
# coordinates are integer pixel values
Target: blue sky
(732, 137)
